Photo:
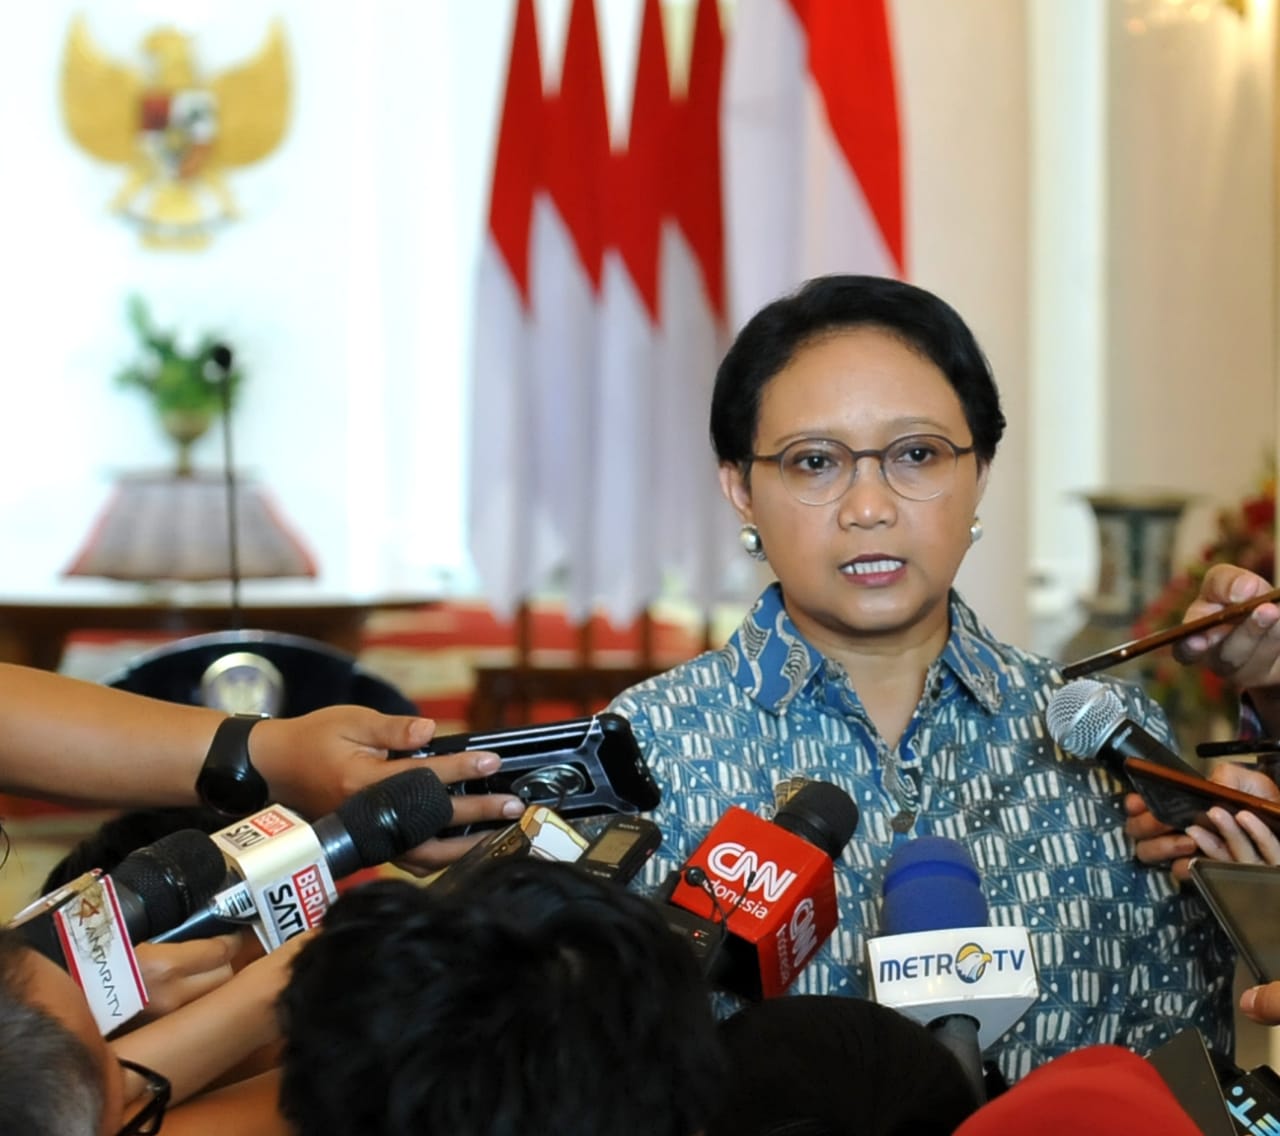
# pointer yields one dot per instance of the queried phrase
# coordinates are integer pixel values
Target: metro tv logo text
(968, 964)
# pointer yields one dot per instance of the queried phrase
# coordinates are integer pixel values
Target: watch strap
(228, 780)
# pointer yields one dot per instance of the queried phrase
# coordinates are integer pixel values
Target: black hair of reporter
(532, 999)
(819, 1065)
(116, 838)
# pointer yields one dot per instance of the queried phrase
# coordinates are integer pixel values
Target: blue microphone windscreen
(930, 884)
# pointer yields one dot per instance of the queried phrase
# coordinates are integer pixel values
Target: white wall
(963, 87)
(1191, 215)
(347, 285)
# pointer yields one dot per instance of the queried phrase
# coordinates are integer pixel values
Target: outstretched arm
(64, 739)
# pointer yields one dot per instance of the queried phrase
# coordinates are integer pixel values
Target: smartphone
(579, 767)
(1178, 799)
(1244, 898)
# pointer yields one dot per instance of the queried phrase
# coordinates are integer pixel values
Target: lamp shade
(165, 527)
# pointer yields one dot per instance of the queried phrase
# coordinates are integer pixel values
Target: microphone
(89, 925)
(762, 894)
(282, 870)
(217, 368)
(938, 960)
(1087, 718)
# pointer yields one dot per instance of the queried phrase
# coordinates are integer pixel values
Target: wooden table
(35, 633)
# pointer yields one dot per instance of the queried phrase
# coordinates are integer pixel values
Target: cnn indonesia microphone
(762, 893)
(89, 926)
(283, 869)
(938, 960)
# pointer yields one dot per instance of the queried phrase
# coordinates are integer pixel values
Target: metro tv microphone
(1087, 718)
(89, 926)
(282, 870)
(764, 891)
(939, 962)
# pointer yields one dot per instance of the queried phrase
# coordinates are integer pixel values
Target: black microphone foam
(384, 820)
(170, 878)
(822, 814)
(220, 357)
(157, 888)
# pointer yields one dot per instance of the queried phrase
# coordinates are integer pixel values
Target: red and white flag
(695, 537)
(506, 518)
(813, 165)
(626, 566)
(567, 252)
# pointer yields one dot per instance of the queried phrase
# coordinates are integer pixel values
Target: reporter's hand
(178, 973)
(1247, 652)
(1246, 837)
(313, 763)
(1154, 841)
(1241, 837)
(1262, 1004)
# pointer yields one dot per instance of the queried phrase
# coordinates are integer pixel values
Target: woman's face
(871, 568)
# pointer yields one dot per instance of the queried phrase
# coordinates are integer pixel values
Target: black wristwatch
(228, 781)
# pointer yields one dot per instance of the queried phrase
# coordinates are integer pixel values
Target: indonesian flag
(567, 251)
(812, 153)
(507, 520)
(627, 569)
(695, 538)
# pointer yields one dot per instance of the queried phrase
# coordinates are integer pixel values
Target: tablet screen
(1245, 899)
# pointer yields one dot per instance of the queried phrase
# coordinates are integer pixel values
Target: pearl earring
(975, 530)
(752, 545)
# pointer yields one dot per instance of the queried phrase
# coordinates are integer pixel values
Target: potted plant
(188, 389)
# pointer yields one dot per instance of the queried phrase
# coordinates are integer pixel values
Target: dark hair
(116, 838)
(797, 1063)
(828, 304)
(50, 1084)
(532, 999)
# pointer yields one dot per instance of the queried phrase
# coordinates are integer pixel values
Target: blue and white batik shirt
(1123, 956)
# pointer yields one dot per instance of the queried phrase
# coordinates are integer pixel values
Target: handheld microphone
(762, 894)
(89, 926)
(282, 870)
(939, 962)
(1087, 718)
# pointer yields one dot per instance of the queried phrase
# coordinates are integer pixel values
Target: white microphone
(939, 961)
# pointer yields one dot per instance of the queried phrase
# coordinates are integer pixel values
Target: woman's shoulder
(708, 670)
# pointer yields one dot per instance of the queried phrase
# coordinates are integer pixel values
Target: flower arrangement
(188, 388)
(1245, 536)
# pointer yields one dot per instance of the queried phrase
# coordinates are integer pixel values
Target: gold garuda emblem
(176, 132)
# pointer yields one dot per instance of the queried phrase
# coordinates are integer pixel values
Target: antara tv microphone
(762, 893)
(939, 962)
(282, 870)
(89, 926)
(1087, 718)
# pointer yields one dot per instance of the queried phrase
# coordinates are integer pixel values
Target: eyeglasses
(818, 471)
(149, 1118)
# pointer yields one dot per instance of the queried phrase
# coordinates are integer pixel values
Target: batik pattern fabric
(1123, 955)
